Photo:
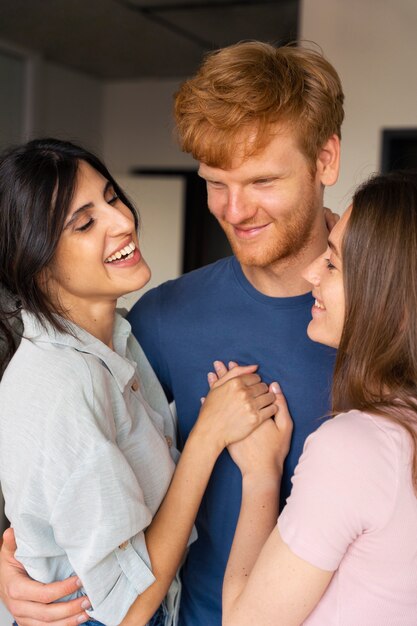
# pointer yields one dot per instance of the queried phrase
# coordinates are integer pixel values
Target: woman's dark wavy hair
(37, 183)
(376, 365)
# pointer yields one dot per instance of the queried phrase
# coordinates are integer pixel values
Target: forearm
(169, 532)
(257, 518)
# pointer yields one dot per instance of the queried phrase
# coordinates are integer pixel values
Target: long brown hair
(376, 366)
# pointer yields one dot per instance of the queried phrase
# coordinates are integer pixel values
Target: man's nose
(238, 207)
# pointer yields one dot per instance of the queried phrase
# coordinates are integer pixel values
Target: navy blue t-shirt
(215, 313)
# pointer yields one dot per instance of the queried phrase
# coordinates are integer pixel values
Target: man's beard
(291, 235)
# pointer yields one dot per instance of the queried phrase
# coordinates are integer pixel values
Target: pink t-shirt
(353, 510)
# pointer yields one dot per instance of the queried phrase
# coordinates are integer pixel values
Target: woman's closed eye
(86, 225)
(113, 199)
(111, 196)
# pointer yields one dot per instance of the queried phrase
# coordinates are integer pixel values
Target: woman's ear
(328, 161)
(43, 279)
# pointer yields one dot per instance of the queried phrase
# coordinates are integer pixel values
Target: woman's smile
(97, 259)
(124, 253)
(326, 276)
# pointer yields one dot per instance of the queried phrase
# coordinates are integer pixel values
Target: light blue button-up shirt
(84, 460)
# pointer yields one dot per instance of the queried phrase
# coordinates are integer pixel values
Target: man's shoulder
(201, 281)
(200, 278)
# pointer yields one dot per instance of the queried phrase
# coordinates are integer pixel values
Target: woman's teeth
(319, 305)
(126, 252)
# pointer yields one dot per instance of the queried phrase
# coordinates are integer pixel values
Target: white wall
(373, 46)
(160, 204)
(70, 106)
(12, 107)
(137, 128)
(138, 125)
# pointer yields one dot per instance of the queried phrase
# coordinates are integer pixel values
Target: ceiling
(133, 39)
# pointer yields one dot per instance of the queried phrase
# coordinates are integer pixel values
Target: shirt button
(169, 441)
(134, 386)
(124, 545)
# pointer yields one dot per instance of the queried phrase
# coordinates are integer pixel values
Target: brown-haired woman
(344, 549)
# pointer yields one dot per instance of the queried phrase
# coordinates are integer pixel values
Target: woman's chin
(316, 334)
(143, 277)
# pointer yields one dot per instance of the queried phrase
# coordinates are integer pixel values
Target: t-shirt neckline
(278, 302)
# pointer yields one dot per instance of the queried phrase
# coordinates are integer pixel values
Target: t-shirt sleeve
(145, 320)
(344, 485)
(99, 520)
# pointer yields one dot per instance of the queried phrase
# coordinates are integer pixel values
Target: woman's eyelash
(330, 265)
(85, 226)
(113, 198)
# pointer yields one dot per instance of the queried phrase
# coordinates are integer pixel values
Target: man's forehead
(252, 144)
(256, 160)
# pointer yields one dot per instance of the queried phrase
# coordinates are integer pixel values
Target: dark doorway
(399, 149)
(204, 240)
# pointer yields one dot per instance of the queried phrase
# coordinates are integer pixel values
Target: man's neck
(283, 278)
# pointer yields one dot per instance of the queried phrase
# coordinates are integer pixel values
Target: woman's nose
(312, 272)
(120, 220)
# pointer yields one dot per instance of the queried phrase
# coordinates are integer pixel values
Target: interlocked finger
(259, 389)
(266, 399)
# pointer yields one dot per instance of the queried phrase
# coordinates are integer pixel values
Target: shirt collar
(117, 361)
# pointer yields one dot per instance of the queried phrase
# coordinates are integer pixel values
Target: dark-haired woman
(86, 435)
(344, 551)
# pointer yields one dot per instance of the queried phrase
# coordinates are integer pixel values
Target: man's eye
(85, 226)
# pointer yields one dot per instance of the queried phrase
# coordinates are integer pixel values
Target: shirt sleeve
(344, 485)
(98, 520)
(145, 320)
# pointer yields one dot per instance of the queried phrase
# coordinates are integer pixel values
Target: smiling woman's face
(97, 258)
(326, 276)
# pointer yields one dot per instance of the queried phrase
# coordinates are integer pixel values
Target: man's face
(267, 204)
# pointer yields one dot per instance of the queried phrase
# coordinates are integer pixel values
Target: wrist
(255, 481)
(205, 441)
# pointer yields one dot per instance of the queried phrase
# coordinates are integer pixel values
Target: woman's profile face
(326, 276)
(97, 258)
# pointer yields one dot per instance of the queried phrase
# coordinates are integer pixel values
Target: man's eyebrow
(333, 248)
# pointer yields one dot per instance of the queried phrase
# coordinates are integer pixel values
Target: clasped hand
(262, 450)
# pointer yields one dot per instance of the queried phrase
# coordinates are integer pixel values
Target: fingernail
(85, 604)
(275, 388)
(82, 618)
(217, 365)
(202, 400)
(211, 377)
(78, 583)
(232, 364)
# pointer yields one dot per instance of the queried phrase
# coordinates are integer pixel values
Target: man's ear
(328, 161)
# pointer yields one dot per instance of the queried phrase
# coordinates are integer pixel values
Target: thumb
(9, 541)
(9, 547)
(282, 417)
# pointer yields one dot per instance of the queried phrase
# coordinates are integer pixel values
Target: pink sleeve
(344, 485)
